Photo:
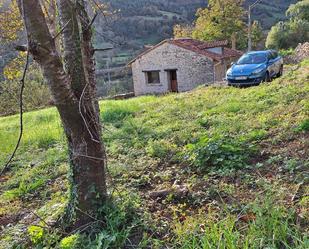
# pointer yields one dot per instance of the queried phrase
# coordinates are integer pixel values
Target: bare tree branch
(61, 31)
(102, 49)
(101, 10)
(93, 19)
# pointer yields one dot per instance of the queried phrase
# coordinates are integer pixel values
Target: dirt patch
(298, 147)
(9, 219)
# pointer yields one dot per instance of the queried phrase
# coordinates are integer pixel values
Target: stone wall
(192, 69)
(301, 53)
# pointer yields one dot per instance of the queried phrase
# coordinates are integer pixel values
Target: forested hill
(147, 21)
(153, 19)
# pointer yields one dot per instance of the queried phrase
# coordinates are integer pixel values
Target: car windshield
(252, 59)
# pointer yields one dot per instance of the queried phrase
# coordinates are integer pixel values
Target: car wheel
(280, 72)
(267, 77)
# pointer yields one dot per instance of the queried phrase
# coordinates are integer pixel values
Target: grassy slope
(239, 157)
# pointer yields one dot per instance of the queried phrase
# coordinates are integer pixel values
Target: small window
(153, 77)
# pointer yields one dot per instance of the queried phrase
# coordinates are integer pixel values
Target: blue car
(255, 67)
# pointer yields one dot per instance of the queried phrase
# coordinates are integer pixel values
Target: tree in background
(10, 29)
(289, 34)
(36, 94)
(221, 20)
(70, 75)
(299, 10)
(256, 33)
(182, 31)
(11, 23)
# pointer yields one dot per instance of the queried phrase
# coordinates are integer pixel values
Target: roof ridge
(197, 46)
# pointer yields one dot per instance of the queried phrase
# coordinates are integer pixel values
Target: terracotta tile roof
(195, 46)
(199, 47)
(228, 52)
(200, 44)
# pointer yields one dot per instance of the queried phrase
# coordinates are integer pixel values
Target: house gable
(217, 50)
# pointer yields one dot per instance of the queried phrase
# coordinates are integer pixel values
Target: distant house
(178, 65)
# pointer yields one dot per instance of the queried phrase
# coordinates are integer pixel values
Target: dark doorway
(173, 84)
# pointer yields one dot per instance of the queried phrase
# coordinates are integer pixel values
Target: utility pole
(250, 24)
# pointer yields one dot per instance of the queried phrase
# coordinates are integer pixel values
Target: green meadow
(241, 154)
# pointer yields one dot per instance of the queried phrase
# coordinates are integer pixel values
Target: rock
(176, 191)
(301, 53)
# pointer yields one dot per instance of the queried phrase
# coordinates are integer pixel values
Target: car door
(277, 62)
(271, 65)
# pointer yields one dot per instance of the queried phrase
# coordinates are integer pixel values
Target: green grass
(116, 111)
(203, 139)
(269, 227)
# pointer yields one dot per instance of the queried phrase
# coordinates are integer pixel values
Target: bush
(288, 35)
(304, 126)
(287, 52)
(36, 93)
(36, 234)
(221, 152)
(69, 242)
(160, 148)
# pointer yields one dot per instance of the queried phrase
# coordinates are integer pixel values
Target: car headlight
(258, 71)
(229, 72)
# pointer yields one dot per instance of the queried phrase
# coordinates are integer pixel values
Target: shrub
(219, 152)
(36, 234)
(289, 34)
(304, 126)
(287, 52)
(69, 242)
(24, 188)
(36, 94)
(160, 149)
(121, 219)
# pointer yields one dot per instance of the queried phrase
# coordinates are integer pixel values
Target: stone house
(178, 65)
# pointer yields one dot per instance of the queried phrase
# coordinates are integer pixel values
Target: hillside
(186, 170)
(270, 12)
(158, 16)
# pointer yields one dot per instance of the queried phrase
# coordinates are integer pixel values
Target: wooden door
(173, 81)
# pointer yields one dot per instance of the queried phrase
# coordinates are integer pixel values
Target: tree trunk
(73, 91)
